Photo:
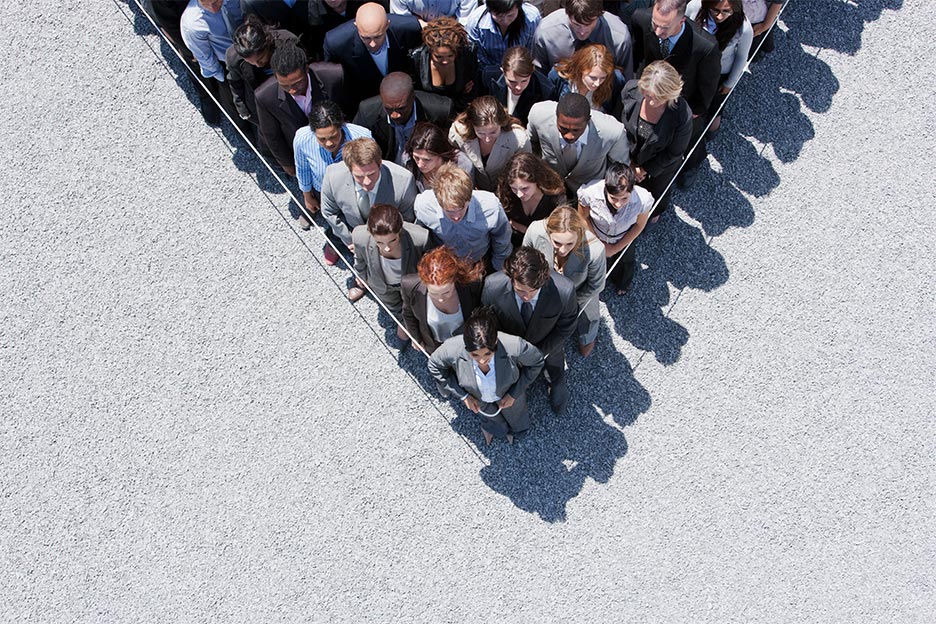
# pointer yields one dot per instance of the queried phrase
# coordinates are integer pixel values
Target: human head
(566, 230)
(507, 15)
(518, 68)
(212, 6)
(253, 41)
(371, 22)
(362, 157)
(452, 188)
(573, 113)
(445, 38)
(619, 183)
(523, 174)
(591, 68)
(442, 267)
(728, 15)
(484, 119)
(528, 271)
(583, 17)
(662, 83)
(480, 334)
(385, 224)
(290, 67)
(326, 120)
(397, 95)
(429, 147)
(667, 17)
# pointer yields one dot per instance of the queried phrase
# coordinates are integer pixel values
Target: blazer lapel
(384, 187)
(408, 252)
(502, 369)
(376, 278)
(467, 376)
(590, 149)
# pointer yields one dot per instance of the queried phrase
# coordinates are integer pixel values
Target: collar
(582, 140)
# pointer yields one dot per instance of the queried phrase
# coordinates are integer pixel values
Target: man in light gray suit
(351, 187)
(539, 306)
(561, 33)
(575, 140)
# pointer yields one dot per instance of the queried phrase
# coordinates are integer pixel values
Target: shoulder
(356, 131)
(488, 201)
(410, 285)
(418, 234)
(496, 281)
(303, 137)
(360, 236)
(542, 112)
(267, 91)
(396, 171)
(644, 196)
(564, 285)
(615, 26)
(370, 109)
(556, 20)
(607, 126)
(401, 24)
(702, 42)
(432, 102)
(340, 34)
(336, 173)
(512, 345)
(591, 191)
(642, 17)
(536, 231)
(519, 134)
(427, 202)
(192, 18)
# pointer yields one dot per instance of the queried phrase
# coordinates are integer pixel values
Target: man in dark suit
(289, 15)
(664, 33)
(540, 307)
(372, 46)
(392, 115)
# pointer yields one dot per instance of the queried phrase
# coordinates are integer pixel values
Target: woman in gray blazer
(576, 253)
(488, 136)
(489, 373)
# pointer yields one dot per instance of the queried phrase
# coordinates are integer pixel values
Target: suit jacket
(295, 19)
(244, 78)
(665, 147)
(413, 292)
(506, 145)
(494, 83)
(586, 271)
(554, 317)
(280, 117)
(414, 241)
(340, 201)
(607, 141)
(695, 56)
(517, 363)
(429, 107)
(343, 45)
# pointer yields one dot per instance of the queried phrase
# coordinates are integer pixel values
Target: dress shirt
(610, 227)
(428, 10)
(403, 133)
(208, 35)
(487, 382)
(675, 38)
(304, 101)
(312, 158)
(484, 226)
(381, 57)
(489, 41)
(532, 301)
(579, 144)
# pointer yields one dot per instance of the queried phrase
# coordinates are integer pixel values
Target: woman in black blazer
(518, 76)
(447, 64)
(440, 296)
(658, 123)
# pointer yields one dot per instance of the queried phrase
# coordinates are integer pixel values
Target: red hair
(441, 266)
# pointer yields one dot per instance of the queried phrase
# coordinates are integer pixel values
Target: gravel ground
(197, 426)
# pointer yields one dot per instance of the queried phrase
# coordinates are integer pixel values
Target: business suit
(414, 242)
(554, 41)
(606, 141)
(662, 153)
(343, 45)
(280, 117)
(495, 83)
(587, 273)
(293, 18)
(413, 293)
(553, 320)
(516, 364)
(429, 107)
(244, 78)
(340, 201)
(486, 174)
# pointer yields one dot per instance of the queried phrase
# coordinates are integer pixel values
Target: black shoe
(559, 397)
(687, 177)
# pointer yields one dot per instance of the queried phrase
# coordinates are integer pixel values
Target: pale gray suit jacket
(587, 273)
(414, 240)
(506, 145)
(340, 202)
(607, 141)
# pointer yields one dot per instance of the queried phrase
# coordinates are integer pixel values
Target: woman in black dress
(529, 190)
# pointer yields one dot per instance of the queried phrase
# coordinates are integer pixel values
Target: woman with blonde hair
(528, 190)
(488, 136)
(589, 72)
(446, 63)
(575, 252)
(658, 122)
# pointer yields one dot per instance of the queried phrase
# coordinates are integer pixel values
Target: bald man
(392, 115)
(373, 45)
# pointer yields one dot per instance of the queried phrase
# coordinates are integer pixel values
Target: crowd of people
(487, 164)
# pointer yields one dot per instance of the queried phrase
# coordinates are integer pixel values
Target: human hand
(290, 170)
(351, 247)
(360, 284)
(640, 173)
(725, 90)
(312, 205)
(506, 401)
(760, 29)
(471, 403)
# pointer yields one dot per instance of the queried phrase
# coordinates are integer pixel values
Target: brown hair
(430, 137)
(384, 219)
(566, 219)
(584, 11)
(452, 186)
(483, 111)
(360, 152)
(527, 266)
(583, 61)
(518, 60)
(526, 166)
(445, 32)
(443, 266)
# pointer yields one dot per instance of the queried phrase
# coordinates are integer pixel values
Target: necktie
(568, 156)
(526, 312)
(363, 202)
(664, 47)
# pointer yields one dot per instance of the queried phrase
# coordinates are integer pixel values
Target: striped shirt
(312, 158)
(489, 41)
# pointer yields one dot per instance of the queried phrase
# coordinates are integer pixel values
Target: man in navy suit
(372, 46)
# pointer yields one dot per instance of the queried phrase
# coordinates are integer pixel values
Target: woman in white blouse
(488, 136)
(616, 212)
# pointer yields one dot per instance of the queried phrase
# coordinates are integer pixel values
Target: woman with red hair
(590, 72)
(440, 296)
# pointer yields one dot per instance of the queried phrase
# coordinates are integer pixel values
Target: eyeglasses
(725, 12)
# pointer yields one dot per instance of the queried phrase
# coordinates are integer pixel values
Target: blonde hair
(360, 152)
(566, 219)
(452, 186)
(662, 81)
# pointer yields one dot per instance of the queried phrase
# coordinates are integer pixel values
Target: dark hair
(584, 11)
(516, 26)
(518, 60)
(481, 329)
(252, 37)
(619, 178)
(485, 110)
(526, 166)
(446, 32)
(725, 31)
(384, 219)
(527, 266)
(288, 58)
(428, 136)
(325, 114)
(574, 105)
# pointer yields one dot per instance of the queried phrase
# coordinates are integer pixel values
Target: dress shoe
(331, 256)
(304, 223)
(488, 438)
(559, 397)
(585, 350)
(355, 293)
(687, 177)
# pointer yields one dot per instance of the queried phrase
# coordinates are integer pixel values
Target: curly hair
(443, 266)
(583, 61)
(526, 166)
(726, 30)
(445, 32)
